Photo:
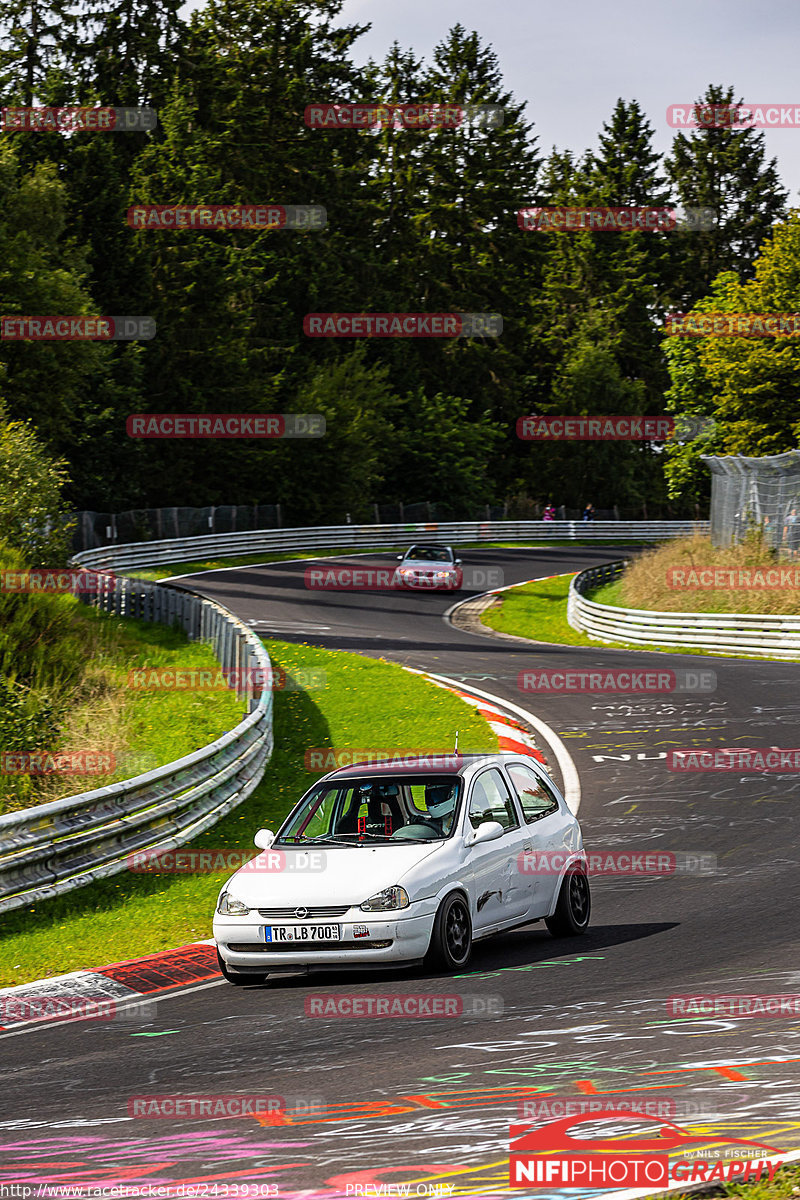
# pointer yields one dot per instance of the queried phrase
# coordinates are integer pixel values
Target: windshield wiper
(353, 839)
(313, 841)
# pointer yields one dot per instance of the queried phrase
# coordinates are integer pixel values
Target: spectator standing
(791, 531)
(588, 512)
(549, 513)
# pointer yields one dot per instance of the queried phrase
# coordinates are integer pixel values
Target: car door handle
(528, 846)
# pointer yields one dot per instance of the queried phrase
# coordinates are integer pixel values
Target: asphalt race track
(428, 1102)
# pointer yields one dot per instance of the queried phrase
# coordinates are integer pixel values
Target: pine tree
(34, 35)
(726, 171)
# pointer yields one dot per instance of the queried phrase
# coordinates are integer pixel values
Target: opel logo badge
(300, 913)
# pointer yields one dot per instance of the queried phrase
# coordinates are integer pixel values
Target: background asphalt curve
(428, 1101)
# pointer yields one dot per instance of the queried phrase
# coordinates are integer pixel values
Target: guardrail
(270, 541)
(729, 633)
(52, 848)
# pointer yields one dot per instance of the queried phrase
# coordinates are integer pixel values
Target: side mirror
(487, 831)
(400, 558)
(458, 562)
(264, 839)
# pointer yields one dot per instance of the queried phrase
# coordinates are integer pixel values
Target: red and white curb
(511, 735)
(126, 987)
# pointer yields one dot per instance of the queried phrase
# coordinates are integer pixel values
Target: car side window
(534, 795)
(490, 801)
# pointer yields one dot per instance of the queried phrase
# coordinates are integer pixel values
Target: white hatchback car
(388, 865)
(383, 865)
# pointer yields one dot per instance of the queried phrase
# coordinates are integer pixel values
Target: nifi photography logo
(551, 1156)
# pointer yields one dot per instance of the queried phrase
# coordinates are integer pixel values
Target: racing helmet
(440, 800)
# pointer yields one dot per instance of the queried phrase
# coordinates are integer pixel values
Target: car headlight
(229, 907)
(443, 574)
(386, 901)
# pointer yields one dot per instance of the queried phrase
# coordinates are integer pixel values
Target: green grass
(539, 611)
(100, 712)
(367, 703)
(536, 610)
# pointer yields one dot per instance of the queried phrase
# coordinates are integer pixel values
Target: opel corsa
(386, 865)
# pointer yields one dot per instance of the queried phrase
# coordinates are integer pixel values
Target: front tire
(574, 906)
(239, 978)
(451, 940)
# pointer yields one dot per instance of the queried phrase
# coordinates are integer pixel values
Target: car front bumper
(392, 938)
(427, 583)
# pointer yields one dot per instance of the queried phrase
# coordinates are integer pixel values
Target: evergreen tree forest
(418, 221)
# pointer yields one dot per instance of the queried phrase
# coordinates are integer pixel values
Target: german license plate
(302, 933)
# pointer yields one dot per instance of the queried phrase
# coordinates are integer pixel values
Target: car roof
(449, 764)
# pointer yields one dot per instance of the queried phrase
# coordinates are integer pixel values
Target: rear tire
(451, 939)
(239, 978)
(574, 906)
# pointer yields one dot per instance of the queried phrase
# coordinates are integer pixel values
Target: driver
(440, 801)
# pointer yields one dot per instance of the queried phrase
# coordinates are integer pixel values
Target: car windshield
(374, 810)
(429, 554)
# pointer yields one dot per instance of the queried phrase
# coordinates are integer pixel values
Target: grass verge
(666, 579)
(366, 703)
(96, 712)
(538, 611)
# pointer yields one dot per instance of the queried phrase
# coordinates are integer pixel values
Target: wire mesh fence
(756, 493)
(93, 530)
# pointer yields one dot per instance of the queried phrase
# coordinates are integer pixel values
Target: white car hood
(351, 874)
